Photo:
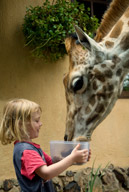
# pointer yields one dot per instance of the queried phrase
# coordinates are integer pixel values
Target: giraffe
(96, 73)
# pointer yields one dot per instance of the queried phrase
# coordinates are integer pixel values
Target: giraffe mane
(110, 17)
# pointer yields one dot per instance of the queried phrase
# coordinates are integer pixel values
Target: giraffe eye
(79, 84)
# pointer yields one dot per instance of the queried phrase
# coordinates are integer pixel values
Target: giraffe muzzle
(82, 139)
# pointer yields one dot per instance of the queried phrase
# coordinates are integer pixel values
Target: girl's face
(33, 127)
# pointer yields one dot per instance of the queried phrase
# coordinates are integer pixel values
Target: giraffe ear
(86, 41)
(89, 43)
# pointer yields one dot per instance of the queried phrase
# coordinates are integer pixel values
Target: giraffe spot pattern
(113, 66)
(100, 76)
(65, 80)
(91, 119)
(110, 87)
(117, 30)
(109, 95)
(118, 72)
(92, 100)
(108, 73)
(116, 59)
(95, 85)
(109, 44)
(71, 115)
(99, 108)
(126, 64)
(88, 110)
(125, 42)
(101, 94)
(104, 88)
(127, 13)
(103, 65)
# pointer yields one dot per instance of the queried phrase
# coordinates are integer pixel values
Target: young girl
(34, 169)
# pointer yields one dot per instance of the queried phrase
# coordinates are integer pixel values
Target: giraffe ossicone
(95, 78)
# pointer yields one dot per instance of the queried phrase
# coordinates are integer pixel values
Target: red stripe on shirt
(31, 160)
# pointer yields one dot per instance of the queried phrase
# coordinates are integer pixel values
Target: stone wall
(27, 77)
(110, 179)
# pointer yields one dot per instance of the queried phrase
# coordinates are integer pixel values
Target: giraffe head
(92, 85)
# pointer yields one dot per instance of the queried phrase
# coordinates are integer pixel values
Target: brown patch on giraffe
(109, 95)
(65, 80)
(88, 110)
(71, 62)
(68, 44)
(127, 13)
(125, 42)
(100, 76)
(108, 73)
(110, 87)
(69, 123)
(118, 72)
(90, 75)
(104, 88)
(113, 66)
(103, 65)
(95, 85)
(117, 29)
(81, 61)
(91, 119)
(109, 44)
(126, 64)
(101, 94)
(92, 100)
(76, 53)
(70, 115)
(68, 102)
(116, 59)
(99, 108)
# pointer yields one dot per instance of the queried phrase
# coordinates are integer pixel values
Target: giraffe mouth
(82, 139)
(79, 138)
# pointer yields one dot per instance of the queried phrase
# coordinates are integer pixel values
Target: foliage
(126, 83)
(93, 177)
(45, 27)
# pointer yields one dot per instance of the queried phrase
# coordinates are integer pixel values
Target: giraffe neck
(110, 17)
(117, 41)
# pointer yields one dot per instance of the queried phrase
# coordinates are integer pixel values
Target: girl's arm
(48, 172)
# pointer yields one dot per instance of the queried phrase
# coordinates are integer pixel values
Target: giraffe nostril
(65, 137)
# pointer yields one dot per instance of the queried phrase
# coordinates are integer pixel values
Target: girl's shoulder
(21, 146)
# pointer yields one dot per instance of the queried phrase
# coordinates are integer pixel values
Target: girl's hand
(89, 156)
(79, 156)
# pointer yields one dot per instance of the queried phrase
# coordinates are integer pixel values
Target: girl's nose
(41, 124)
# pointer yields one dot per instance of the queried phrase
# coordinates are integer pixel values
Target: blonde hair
(15, 114)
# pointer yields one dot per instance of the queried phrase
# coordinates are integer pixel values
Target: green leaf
(45, 27)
